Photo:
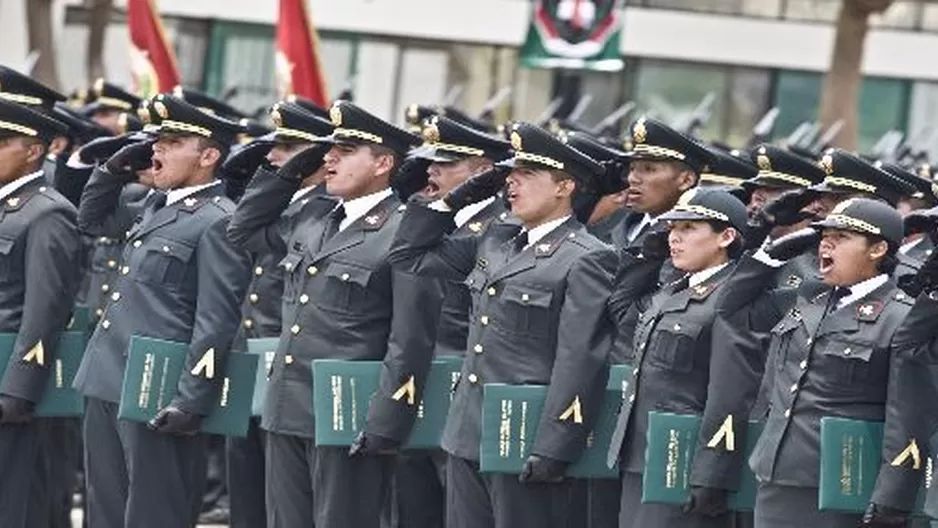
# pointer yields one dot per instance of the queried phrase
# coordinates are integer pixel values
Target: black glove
(786, 210)
(173, 420)
(925, 279)
(410, 177)
(614, 179)
(369, 444)
(584, 202)
(305, 162)
(655, 245)
(707, 502)
(794, 244)
(242, 164)
(921, 222)
(477, 188)
(15, 410)
(131, 158)
(884, 517)
(542, 470)
(100, 149)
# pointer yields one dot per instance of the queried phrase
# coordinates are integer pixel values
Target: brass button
(525, 297)
(112, 264)
(491, 291)
(165, 249)
(641, 345)
(258, 271)
(125, 270)
(803, 364)
(809, 341)
(345, 276)
(484, 320)
(137, 243)
(288, 359)
(794, 388)
(295, 329)
(105, 324)
(116, 296)
(248, 323)
(677, 327)
(473, 378)
(787, 413)
(478, 348)
(632, 399)
(99, 312)
(635, 371)
(253, 298)
(105, 288)
(288, 266)
(847, 351)
(304, 299)
(312, 270)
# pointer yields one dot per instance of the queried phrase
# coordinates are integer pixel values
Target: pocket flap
(346, 272)
(475, 280)
(170, 248)
(848, 350)
(6, 245)
(291, 261)
(527, 295)
(684, 328)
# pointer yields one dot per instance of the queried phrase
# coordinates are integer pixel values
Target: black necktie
(681, 284)
(519, 243)
(837, 294)
(157, 201)
(335, 220)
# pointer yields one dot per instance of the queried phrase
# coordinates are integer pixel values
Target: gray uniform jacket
(538, 317)
(40, 251)
(341, 300)
(180, 280)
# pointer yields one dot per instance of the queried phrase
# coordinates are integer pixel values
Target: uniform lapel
(481, 220)
(354, 234)
(848, 318)
(543, 248)
(19, 197)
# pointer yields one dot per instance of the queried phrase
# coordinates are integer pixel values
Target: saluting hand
(410, 177)
(242, 164)
(794, 244)
(305, 162)
(100, 149)
(15, 410)
(924, 280)
(655, 245)
(131, 158)
(542, 470)
(477, 188)
(173, 420)
(787, 209)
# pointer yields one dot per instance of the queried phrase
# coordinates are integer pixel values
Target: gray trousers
(634, 514)
(418, 497)
(20, 487)
(136, 477)
(321, 486)
(791, 507)
(246, 478)
(603, 498)
(474, 500)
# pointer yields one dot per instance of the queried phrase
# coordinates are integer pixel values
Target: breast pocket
(165, 262)
(525, 309)
(673, 346)
(345, 286)
(291, 266)
(781, 341)
(6, 254)
(848, 364)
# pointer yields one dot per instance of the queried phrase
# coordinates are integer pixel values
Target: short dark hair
(207, 143)
(381, 150)
(736, 248)
(891, 261)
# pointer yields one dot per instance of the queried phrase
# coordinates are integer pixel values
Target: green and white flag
(575, 34)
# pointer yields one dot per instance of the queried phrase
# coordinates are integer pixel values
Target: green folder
(265, 349)
(851, 454)
(154, 367)
(59, 399)
(510, 416)
(343, 389)
(672, 441)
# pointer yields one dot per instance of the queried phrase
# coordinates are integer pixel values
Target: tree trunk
(39, 24)
(841, 91)
(99, 16)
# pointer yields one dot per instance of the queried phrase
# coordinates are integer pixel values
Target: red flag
(152, 60)
(299, 70)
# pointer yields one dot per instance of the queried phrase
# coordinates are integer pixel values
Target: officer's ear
(727, 237)
(210, 155)
(878, 250)
(35, 150)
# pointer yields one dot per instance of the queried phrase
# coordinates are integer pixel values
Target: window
(923, 106)
(812, 10)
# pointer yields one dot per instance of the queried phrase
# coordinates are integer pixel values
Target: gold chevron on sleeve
(575, 411)
(37, 354)
(910, 451)
(724, 433)
(409, 389)
(206, 365)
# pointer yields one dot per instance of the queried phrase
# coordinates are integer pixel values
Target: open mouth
(826, 263)
(330, 173)
(511, 196)
(432, 188)
(156, 164)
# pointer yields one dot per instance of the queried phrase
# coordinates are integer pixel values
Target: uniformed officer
(609, 209)
(672, 349)
(40, 257)
(296, 130)
(538, 316)
(451, 154)
(110, 106)
(729, 171)
(831, 356)
(341, 300)
(917, 245)
(180, 280)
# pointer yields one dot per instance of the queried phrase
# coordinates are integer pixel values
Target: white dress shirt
(904, 248)
(175, 195)
(466, 213)
(16, 184)
(647, 220)
(862, 289)
(359, 207)
(301, 193)
(535, 234)
(701, 276)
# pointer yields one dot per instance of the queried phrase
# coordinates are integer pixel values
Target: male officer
(340, 300)
(19, 88)
(450, 155)
(538, 316)
(40, 258)
(296, 130)
(916, 246)
(180, 281)
(609, 210)
(111, 106)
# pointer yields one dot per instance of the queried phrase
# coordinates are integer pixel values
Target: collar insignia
(372, 220)
(190, 202)
(475, 227)
(13, 202)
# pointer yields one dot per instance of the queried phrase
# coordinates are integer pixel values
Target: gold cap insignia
(431, 134)
(554, 126)
(827, 163)
(177, 91)
(275, 116)
(516, 141)
(161, 109)
(335, 115)
(144, 112)
(763, 161)
(639, 133)
(413, 114)
(98, 87)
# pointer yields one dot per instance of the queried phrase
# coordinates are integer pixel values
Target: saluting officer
(110, 106)
(340, 300)
(40, 258)
(609, 210)
(831, 355)
(672, 351)
(180, 280)
(538, 316)
(917, 245)
(296, 130)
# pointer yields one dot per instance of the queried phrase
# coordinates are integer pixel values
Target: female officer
(671, 356)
